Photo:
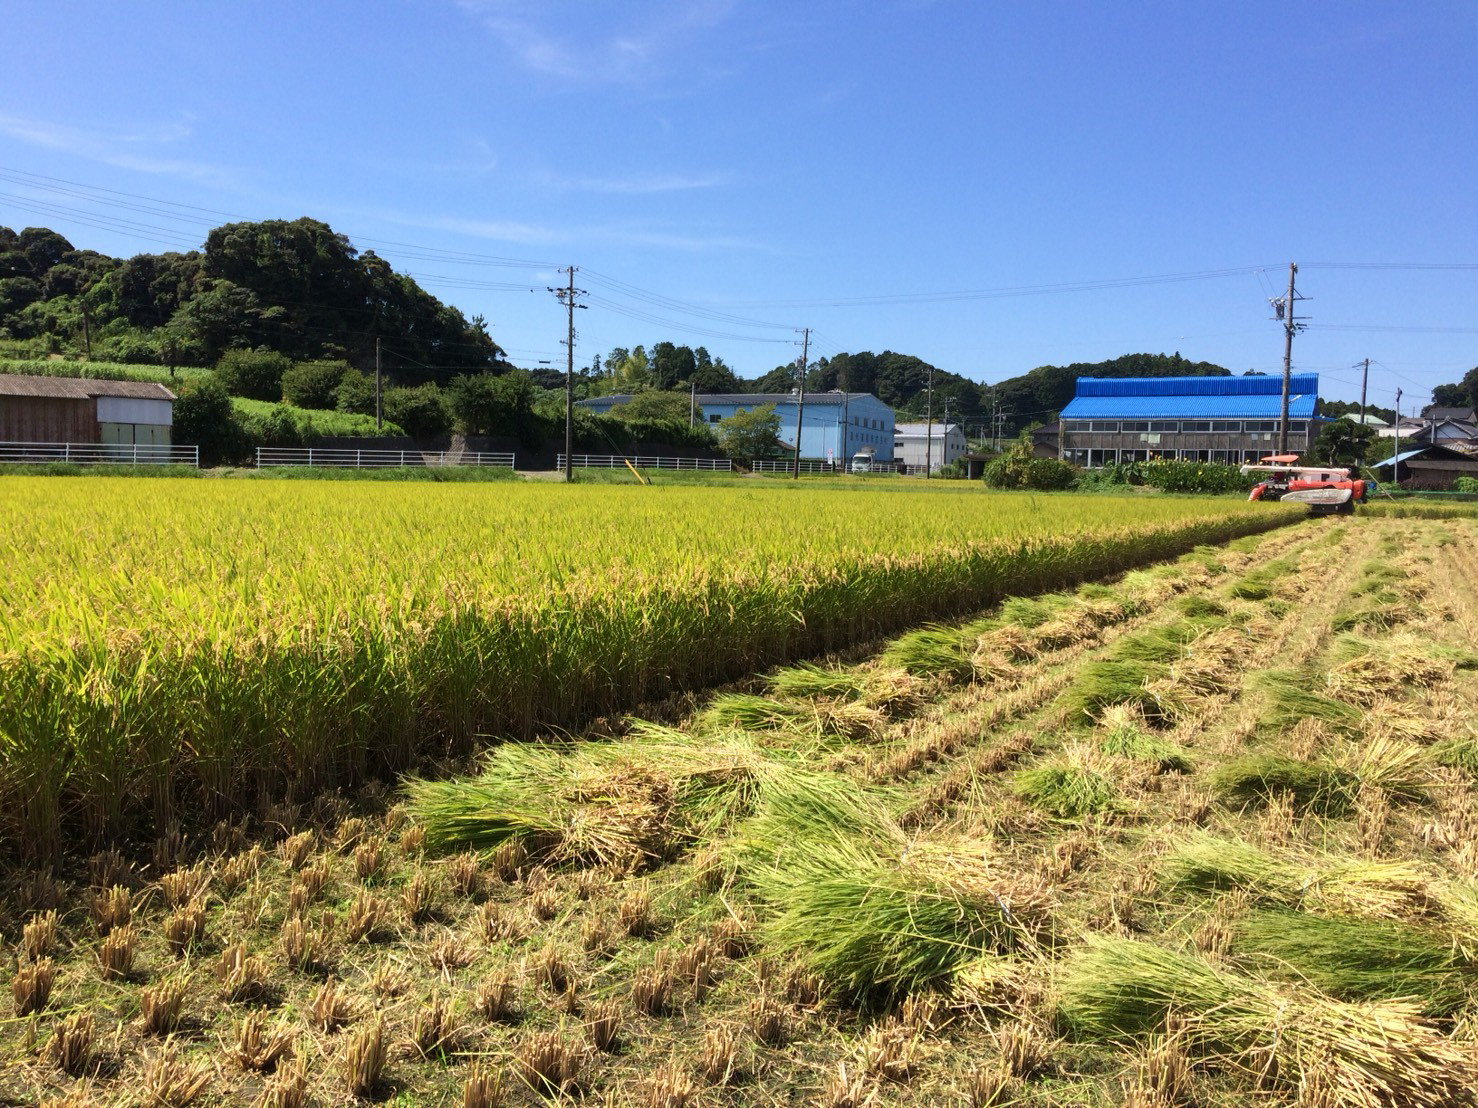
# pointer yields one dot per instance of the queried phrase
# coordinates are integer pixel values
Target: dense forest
(296, 288)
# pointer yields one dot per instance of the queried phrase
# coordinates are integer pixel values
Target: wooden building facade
(80, 410)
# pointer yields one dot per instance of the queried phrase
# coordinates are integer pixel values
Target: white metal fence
(616, 461)
(313, 456)
(92, 454)
(771, 466)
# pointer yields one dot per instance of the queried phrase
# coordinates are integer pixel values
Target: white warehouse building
(912, 445)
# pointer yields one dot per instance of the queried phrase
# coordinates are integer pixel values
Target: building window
(1260, 425)
(1135, 425)
(1226, 426)
(1195, 426)
(1165, 427)
(714, 418)
(1103, 425)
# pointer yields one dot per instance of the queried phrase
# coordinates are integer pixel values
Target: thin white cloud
(637, 50)
(144, 152)
(636, 186)
(530, 234)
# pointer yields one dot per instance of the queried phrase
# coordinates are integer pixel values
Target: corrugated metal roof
(79, 388)
(1398, 458)
(1192, 397)
(922, 429)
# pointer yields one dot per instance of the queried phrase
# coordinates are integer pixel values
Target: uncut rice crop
(176, 652)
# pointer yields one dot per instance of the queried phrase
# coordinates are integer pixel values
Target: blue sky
(724, 172)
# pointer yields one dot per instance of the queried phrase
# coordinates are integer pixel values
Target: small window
(1258, 425)
(714, 418)
(1103, 425)
(1165, 427)
(1136, 425)
(1195, 426)
(1225, 426)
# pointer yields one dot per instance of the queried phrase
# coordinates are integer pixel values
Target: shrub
(421, 411)
(1015, 468)
(204, 417)
(1465, 484)
(355, 393)
(253, 373)
(313, 384)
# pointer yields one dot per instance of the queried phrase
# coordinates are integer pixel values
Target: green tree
(495, 405)
(672, 365)
(655, 405)
(1342, 442)
(422, 411)
(204, 417)
(356, 393)
(751, 434)
(1464, 394)
(710, 374)
(313, 384)
(256, 374)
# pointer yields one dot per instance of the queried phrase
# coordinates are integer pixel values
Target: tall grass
(174, 650)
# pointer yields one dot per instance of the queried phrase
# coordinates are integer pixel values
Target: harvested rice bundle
(596, 801)
(807, 680)
(864, 907)
(1356, 959)
(1256, 779)
(1000, 647)
(1332, 882)
(943, 652)
(1365, 670)
(822, 718)
(1361, 1054)
(1105, 683)
(1072, 785)
(1127, 737)
(1289, 700)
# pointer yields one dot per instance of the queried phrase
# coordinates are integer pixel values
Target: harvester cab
(1325, 489)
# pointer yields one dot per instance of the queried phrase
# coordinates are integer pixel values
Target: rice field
(180, 652)
(1200, 833)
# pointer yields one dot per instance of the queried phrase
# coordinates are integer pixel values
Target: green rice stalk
(1255, 779)
(1460, 753)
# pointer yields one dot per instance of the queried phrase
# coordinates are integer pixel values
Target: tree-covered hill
(295, 287)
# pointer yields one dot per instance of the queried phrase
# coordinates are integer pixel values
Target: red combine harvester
(1325, 489)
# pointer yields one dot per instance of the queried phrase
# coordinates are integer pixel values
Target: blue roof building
(834, 427)
(1208, 419)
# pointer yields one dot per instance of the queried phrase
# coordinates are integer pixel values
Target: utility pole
(929, 427)
(566, 296)
(800, 407)
(1364, 379)
(1395, 457)
(379, 412)
(692, 401)
(86, 332)
(1283, 310)
(846, 459)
